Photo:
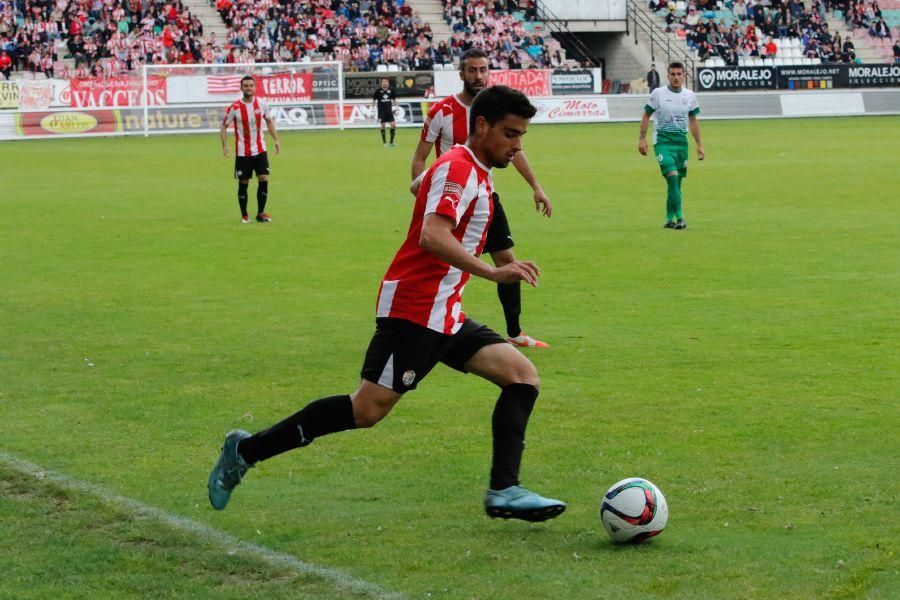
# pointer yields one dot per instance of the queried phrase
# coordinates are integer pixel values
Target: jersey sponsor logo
(408, 377)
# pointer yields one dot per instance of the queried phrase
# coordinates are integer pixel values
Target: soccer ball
(633, 510)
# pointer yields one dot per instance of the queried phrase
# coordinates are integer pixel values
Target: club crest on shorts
(408, 377)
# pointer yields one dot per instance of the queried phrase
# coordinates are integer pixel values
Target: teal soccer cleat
(516, 502)
(229, 470)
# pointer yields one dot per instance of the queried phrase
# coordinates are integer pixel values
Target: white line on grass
(204, 532)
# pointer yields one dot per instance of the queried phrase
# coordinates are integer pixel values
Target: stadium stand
(507, 30)
(104, 38)
(779, 32)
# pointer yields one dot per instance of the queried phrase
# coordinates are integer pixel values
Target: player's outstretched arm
(694, 125)
(642, 138)
(541, 202)
(437, 239)
(223, 135)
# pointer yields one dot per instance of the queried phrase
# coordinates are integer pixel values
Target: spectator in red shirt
(5, 64)
(167, 37)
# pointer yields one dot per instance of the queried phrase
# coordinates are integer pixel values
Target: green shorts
(671, 158)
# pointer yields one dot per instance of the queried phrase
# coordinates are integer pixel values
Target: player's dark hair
(245, 78)
(675, 65)
(471, 53)
(496, 102)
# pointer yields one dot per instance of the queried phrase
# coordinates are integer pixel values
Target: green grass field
(748, 366)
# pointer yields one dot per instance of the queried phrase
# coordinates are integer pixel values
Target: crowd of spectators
(498, 27)
(103, 37)
(754, 25)
(108, 37)
(360, 33)
(865, 15)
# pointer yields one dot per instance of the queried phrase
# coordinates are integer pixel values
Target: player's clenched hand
(518, 270)
(700, 153)
(542, 202)
(415, 185)
(642, 146)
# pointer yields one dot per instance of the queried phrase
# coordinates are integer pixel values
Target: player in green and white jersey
(676, 110)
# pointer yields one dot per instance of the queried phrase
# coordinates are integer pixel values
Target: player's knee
(368, 410)
(367, 418)
(368, 414)
(525, 372)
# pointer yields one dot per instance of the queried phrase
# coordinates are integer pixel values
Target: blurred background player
(385, 100)
(448, 124)
(676, 110)
(247, 115)
(419, 322)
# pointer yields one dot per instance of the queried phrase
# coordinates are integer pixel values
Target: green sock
(673, 198)
(679, 215)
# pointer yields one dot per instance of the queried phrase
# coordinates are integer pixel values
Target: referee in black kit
(385, 100)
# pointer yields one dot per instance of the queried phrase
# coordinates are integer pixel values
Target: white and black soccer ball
(633, 510)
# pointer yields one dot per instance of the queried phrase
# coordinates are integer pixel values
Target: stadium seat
(816, 61)
(779, 62)
(381, 68)
(768, 62)
(393, 68)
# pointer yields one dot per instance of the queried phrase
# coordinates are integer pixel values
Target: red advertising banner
(532, 82)
(93, 92)
(285, 87)
(48, 124)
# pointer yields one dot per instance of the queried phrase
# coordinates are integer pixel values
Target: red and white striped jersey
(447, 124)
(418, 286)
(249, 137)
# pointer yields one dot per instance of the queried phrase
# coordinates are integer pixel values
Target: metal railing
(574, 47)
(641, 25)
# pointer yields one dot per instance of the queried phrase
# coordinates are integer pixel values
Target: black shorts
(498, 235)
(245, 166)
(386, 116)
(402, 353)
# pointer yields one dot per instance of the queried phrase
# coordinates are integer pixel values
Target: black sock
(328, 415)
(383, 140)
(511, 298)
(393, 131)
(508, 424)
(262, 194)
(242, 197)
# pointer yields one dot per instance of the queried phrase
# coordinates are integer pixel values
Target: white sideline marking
(204, 532)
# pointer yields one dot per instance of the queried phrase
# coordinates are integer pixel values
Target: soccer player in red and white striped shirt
(447, 124)
(419, 320)
(247, 116)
